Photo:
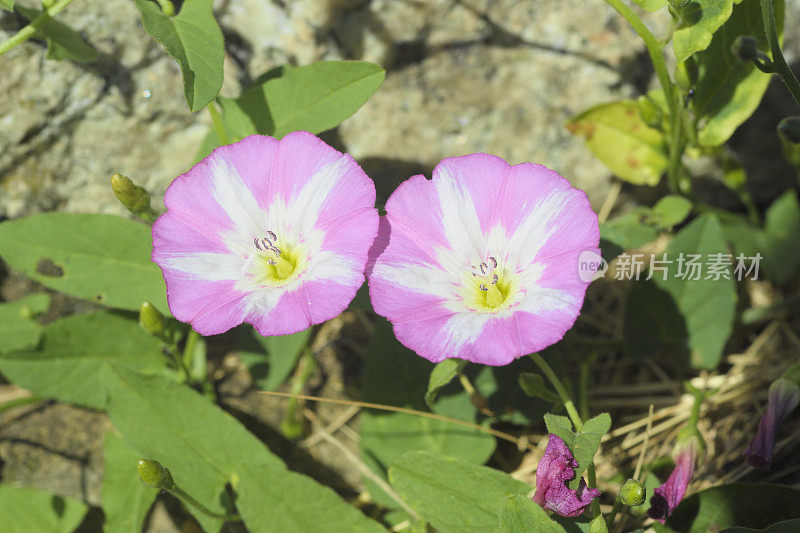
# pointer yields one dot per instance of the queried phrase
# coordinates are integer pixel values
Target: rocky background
(497, 76)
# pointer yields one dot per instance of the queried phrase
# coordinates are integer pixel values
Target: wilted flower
(274, 233)
(784, 396)
(667, 497)
(555, 468)
(481, 262)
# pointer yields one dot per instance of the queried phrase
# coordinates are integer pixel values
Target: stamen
(495, 278)
(484, 266)
(255, 243)
(483, 287)
(272, 236)
(493, 261)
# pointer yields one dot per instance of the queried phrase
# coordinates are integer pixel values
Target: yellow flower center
(277, 262)
(489, 289)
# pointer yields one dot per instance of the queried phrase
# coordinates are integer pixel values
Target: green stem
(219, 126)
(676, 148)
(654, 48)
(19, 402)
(188, 353)
(167, 7)
(770, 27)
(181, 494)
(27, 32)
(562, 392)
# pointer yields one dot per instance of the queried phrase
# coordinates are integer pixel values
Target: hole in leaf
(46, 267)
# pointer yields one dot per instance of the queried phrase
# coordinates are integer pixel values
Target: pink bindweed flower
(481, 262)
(274, 233)
(784, 396)
(667, 497)
(554, 470)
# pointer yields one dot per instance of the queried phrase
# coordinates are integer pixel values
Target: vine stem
(219, 126)
(654, 48)
(562, 392)
(393, 408)
(27, 32)
(181, 494)
(770, 27)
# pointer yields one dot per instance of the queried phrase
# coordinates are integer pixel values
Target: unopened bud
(136, 199)
(789, 129)
(151, 473)
(151, 320)
(745, 48)
(633, 492)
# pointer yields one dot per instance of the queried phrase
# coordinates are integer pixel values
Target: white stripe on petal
(303, 211)
(236, 199)
(417, 277)
(538, 226)
(541, 299)
(205, 266)
(459, 217)
(463, 328)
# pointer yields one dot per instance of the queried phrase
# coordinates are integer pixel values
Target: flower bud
(745, 48)
(789, 129)
(151, 473)
(136, 199)
(151, 320)
(633, 492)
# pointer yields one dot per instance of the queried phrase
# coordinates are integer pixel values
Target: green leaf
(777, 241)
(534, 386)
(786, 526)
(652, 321)
(669, 211)
(650, 5)
(453, 495)
(102, 258)
(62, 41)
(8, 5)
(780, 238)
(753, 505)
(28, 510)
(17, 329)
(126, 500)
(272, 499)
(582, 444)
(617, 136)
(270, 360)
(630, 230)
(708, 306)
(314, 98)
(729, 91)
(391, 377)
(194, 40)
(205, 448)
(521, 515)
(74, 354)
(698, 20)
(442, 374)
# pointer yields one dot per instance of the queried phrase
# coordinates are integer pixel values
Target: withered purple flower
(784, 396)
(667, 497)
(555, 468)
